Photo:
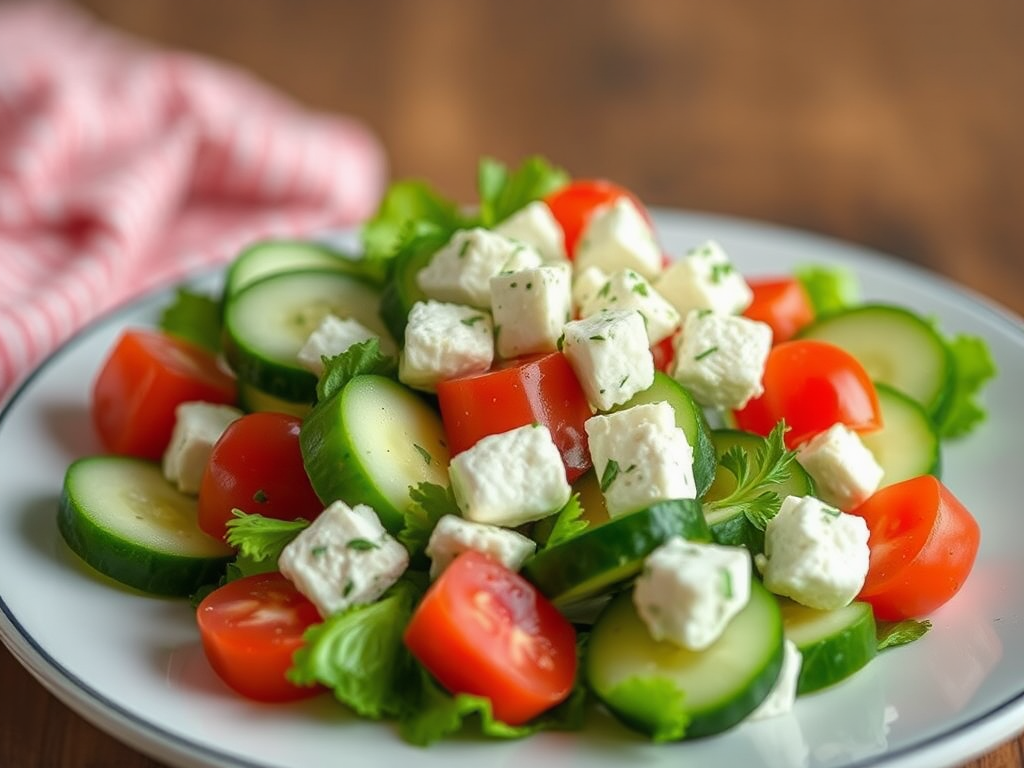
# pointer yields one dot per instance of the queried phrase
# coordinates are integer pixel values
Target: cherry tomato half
(782, 303)
(573, 204)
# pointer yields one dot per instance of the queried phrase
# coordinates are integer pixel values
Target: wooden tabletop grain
(897, 124)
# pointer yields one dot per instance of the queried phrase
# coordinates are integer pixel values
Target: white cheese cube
(197, 427)
(781, 697)
(452, 536)
(344, 558)
(617, 236)
(510, 478)
(443, 341)
(530, 308)
(461, 271)
(535, 225)
(688, 592)
(641, 457)
(844, 471)
(333, 336)
(611, 356)
(627, 289)
(814, 554)
(705, 279)
(720, 359)
(585, 286)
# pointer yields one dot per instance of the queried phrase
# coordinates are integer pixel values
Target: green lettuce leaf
(262, 538)
(829, 288)
(194, 317)
(361, 358)
(408, 209)
(564, 525)
(893, 633)
(430, 502)
(974, 366)
(502, 193)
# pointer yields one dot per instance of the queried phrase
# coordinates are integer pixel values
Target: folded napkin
(123, 167)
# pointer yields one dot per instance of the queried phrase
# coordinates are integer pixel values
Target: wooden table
(896, 124)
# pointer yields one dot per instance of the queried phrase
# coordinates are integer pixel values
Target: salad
(512, 462)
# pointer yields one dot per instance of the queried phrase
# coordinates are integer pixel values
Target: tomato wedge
(484, 630)
(573, 204)
(144, 378)
(782, 303)
(923, 544)
(250, 628)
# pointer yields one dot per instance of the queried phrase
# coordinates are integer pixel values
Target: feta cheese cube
(611, 356)
(687, 592)
(844, 471)
(197, 427)
(720, 359)
(781, 697)
(461, 271)
(333, 336)
(443, 341)
(617, 236)
(814, 554)
(452, 536)
(585, 286)
(344, 558)
(705, 279)
(510, 478)
(530, 307)
(535, 225)
(641, 457)
(627, 289)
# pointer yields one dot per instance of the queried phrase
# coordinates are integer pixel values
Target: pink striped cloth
(123, 168)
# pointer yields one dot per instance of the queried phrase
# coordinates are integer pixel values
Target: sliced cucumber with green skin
(269, 321)
(638, 677)
(402, 290)
(689, 417)
(730, 525)
(122, 517)
(896, 347)
(272, 257)
(369, 443)
(908, 443)
(252, 399)
(833, 644)
(601, 559)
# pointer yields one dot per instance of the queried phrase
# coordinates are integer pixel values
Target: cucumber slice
(124, 519)
(715, 688)
(689, 417)
(252, 399)
(370, 443)
(729, 525)
(273, 257)
(600, 559)
(833, 644)
(908, 444)
(896, 347)
(268, 322)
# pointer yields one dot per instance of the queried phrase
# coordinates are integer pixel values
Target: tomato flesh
(250, 628)
(146, 376)
(573, 205)
(782, 303)
(483, 630)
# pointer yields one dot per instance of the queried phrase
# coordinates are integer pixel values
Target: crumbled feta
(530, 307)
(197, 427)
(641, 457)
(443, 341)
(461, 271)
(844, 471)
(781, 697)
(585, 286)
(452, 536)
(688, 592)
(510, 478)
(535, 225)
(720, 359)
(617, 236)
(611, 356)
(705, 279)
(344, 558)
(333, 336)
(814, 554)
(627, 289)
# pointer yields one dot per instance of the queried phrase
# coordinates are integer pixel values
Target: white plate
(133, 665)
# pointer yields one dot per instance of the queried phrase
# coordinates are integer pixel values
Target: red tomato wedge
(664, 354)
(573, 204)
(483, 630)
(538, 389)
(250, 628)
(812, 385)
(256, 467)
(923, 543)
(782, 303)
(145, 377)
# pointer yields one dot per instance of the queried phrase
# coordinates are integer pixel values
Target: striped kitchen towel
(123, 168)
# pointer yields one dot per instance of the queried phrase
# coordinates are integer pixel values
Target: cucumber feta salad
(513, 461)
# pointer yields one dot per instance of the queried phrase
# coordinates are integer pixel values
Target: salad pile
(513, 461)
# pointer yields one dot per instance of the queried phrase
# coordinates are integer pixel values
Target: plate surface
(133, 665)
